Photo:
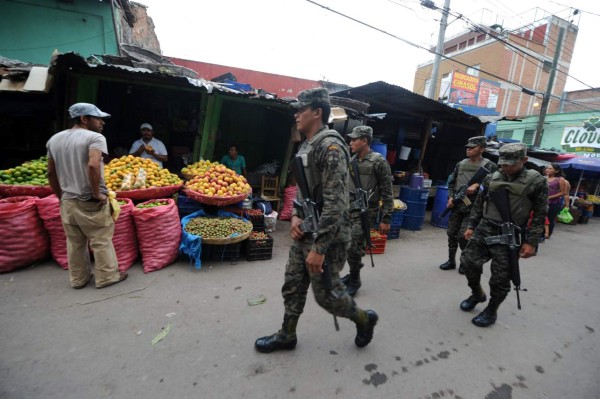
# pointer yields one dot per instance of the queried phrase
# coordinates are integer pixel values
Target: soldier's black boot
(487, 317)
(353, 284)
(365, 325)
(461, 269)
(450, 263)
(477, 296)
(284, 339)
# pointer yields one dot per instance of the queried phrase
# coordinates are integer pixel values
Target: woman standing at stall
(557, 189)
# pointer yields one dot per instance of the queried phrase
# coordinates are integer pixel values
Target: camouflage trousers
(477, 252)
(298, 279)
(457, 225)
(358, 248)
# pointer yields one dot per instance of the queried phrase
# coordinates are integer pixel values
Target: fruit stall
(206, 215)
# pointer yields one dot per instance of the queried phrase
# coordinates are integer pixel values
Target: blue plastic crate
(394, 233)
(396, 219)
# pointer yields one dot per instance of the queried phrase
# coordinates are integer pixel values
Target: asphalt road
(57, 342)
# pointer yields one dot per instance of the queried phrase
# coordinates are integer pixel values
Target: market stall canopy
(581, 163)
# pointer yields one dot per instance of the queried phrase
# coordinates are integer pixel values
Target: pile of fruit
(593, 199)
(260, 239)
(254, 213)
(152, 204)
(219, 181)
(198, 168)
(132, 173)
(376, 235)
(30, 173)
(219, 227)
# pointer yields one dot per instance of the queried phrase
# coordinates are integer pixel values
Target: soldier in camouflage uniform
(463, 172)
(376, 179)
(528, 192)
(325, 158)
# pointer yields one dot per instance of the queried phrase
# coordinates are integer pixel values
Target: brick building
(523, 56)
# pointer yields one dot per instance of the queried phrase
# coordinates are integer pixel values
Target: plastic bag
(564, 216)
(23, 239)
(49, 210)
(127, 182)
(270, 222)
(140, 180)
(159, 234)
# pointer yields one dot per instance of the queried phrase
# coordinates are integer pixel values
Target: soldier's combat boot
(477, 296)
(450, 263)
(485, 318)
(461, 269)
(353, 284)
(284, 339)
(365, 325)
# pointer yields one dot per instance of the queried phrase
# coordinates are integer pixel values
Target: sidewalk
(58, 342)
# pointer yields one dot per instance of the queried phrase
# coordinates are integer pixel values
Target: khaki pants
(89, 222)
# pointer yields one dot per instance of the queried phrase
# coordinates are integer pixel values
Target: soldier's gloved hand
(295, 231)
(468, 234)
(527, 251)
(314, 262)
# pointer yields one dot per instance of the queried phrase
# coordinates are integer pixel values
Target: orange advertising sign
(462, 81)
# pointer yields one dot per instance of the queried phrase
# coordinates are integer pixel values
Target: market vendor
(235, 161)
(149, 146)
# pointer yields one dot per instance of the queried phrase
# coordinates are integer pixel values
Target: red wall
(282, 86)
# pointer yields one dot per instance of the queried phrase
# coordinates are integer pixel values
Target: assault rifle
(361, 202)
(461, 193)
(310, 222)
(510, 236)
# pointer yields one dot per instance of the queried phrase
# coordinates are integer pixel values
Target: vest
(312, 173)
(520, 205)
(366, 174)
(467, 170)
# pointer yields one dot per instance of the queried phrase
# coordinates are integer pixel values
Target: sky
(301, 39)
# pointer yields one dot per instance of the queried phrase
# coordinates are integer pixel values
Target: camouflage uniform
(457, 222)
(376, 179)
(530, 194)
(325, 159)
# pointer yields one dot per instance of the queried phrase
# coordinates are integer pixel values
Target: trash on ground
(259, 300)
(161, 335)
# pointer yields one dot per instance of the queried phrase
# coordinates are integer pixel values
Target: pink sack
(49, 210)
(124, 239)
(289, 193)
(23, 239)
(158, 233)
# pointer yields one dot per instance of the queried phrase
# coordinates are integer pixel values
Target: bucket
(440, 203)
(380, 148)
(416, 181)
(416, 202)
(391, 157)
(404, 153)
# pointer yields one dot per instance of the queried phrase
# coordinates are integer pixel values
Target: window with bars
(504, 134)
(528, 136)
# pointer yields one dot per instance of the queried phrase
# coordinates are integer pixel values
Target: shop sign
(473, 95)
(584, 138)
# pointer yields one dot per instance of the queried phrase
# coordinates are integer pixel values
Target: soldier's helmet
(361, 131)
(512, 153)
(319, 95)
(476, 141)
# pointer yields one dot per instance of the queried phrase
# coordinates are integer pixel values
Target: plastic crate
(258, 222)
(378, 244)
(394, 232)
(396, 220)
(261, 249)
(229, 252)
(235, 210)
(186, 205)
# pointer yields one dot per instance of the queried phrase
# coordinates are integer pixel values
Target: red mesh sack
(49, 210)
(159, 234)
(289, 193)
(124, 239)
(23, 238)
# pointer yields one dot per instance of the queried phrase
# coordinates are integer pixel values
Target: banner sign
(470, 91)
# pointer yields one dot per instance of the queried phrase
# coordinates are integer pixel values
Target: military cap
(311, 96)
(512, 153)
(476, 141)
(361, 131)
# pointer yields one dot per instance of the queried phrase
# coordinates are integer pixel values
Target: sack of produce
(124, 239)
(49, 210)
(289, 194)
(226, 228)
(27, 179)
(23, 239)
(158, 232)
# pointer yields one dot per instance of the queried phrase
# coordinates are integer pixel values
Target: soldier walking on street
(463, 172)
(376, 180)
(325, 157)
(527, 191)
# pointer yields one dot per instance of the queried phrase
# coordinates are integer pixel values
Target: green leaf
(161, 335)
(257, 301)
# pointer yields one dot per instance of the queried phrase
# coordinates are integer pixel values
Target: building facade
(523, 57)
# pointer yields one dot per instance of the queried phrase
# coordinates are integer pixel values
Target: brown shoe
(80, 286)
(122, 276)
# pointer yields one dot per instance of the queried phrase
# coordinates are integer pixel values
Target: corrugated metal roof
(395, 100)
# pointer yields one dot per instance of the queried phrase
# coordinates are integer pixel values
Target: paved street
(57, 342)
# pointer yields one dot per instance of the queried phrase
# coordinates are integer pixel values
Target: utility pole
(539, 130)
(440, 46)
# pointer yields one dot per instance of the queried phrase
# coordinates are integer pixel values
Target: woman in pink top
(557, 189)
